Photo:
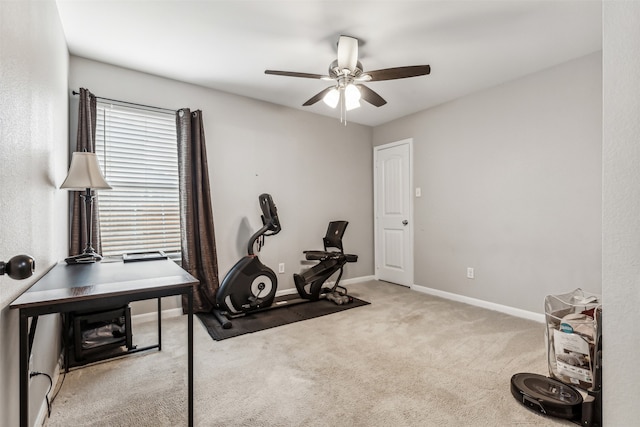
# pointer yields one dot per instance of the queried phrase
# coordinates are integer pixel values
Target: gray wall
(33, 163)
(621, 212)
(33, 158)
(511, 185)
(316, 169)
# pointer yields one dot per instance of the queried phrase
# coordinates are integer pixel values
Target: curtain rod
(165, 110)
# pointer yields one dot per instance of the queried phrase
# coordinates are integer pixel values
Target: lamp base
(84, 258)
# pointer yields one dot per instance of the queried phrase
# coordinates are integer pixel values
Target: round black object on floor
(547, 396)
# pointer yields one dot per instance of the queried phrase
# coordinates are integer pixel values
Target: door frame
(376, 239)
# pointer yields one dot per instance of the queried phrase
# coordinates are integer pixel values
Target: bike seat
(322, 255)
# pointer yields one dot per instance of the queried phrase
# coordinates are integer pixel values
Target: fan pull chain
(343, 107)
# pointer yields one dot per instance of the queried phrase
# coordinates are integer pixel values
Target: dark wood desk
(95, 286)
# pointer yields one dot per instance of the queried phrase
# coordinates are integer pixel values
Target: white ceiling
(227, 44)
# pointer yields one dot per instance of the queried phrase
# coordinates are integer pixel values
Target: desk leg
(190, 356)
(159, 324)
(24, 370)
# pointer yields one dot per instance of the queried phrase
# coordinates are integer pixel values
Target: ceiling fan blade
(347, 53)
(295, 74)
(317, 97)
(399, 72)
(371, 97)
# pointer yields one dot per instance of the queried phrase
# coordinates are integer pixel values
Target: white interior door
(394, 212)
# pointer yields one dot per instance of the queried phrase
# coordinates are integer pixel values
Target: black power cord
(64, 375)
(64, 371)
(35, 374)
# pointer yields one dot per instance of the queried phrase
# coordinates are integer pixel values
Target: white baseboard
(358, 279)
(176, 312)
(351, 281)
(153, 316)
(43, 413)
(538, 317)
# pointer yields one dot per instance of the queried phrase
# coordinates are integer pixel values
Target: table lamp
(85, 175)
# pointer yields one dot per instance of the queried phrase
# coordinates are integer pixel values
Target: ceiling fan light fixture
(352, 92)
(332, 98)
(352, 104)
(348, 75)
(352, 97)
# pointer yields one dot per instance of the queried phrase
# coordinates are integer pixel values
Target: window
(137, 149)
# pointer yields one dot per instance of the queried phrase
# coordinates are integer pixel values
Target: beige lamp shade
(84, 173)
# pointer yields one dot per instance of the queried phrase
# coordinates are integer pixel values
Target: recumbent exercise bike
(250, 286)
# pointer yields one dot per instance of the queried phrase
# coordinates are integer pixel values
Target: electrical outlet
(470, 273)
(281, 268)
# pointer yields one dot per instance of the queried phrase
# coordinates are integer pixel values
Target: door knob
(19, 267)
(405, 222)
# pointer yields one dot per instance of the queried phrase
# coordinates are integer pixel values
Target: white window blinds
(138, 154)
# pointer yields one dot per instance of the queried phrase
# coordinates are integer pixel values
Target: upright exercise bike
(250, 286)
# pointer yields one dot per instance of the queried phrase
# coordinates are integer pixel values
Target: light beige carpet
(408, 359)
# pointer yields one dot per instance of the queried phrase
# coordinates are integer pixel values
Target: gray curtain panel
(196, 214)
(86, 141)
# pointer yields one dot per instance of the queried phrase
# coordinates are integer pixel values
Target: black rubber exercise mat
(260, 321)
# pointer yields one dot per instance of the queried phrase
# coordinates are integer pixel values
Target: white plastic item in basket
(572, 334)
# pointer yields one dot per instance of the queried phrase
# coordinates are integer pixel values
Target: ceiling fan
(348, 76)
